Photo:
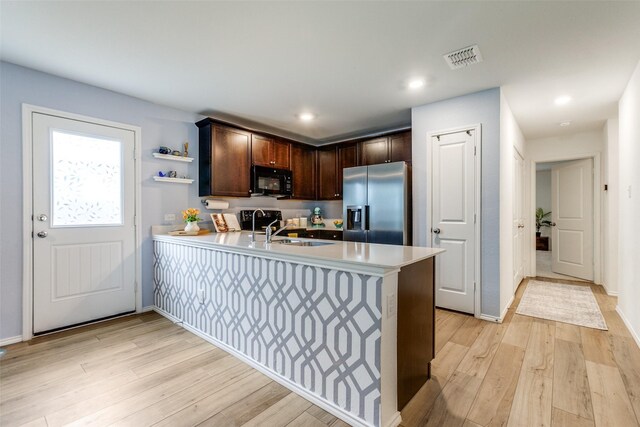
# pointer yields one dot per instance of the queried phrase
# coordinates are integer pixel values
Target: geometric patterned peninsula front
(317, 327)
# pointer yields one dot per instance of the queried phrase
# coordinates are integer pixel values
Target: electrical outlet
(169, 217)
(201, 296)
(391, 305)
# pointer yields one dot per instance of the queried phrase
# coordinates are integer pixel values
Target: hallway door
(572, 212)
(454, 219)
(518, 218)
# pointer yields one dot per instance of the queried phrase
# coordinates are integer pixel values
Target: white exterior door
(572, 213)
(453, 219)
(518, 219)
(83, 221)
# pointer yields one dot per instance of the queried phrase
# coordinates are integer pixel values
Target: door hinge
(474, 287)
(475, 150)
(134, 153)
(475, 218)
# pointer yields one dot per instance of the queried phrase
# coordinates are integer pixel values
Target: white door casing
(572, 237)
(84, 264)
(453, 205)
(518, 219)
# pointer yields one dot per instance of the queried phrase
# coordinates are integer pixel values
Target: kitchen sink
(290, 242)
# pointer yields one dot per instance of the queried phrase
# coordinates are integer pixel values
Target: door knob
(436, 230)
(553, 224)
(42, 234)
(520, 225)
(42, 217)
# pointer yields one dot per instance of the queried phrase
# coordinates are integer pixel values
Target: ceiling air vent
(463, 57)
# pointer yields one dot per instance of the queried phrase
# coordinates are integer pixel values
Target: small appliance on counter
(316, 218)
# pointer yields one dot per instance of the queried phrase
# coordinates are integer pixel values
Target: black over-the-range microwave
(271, 181)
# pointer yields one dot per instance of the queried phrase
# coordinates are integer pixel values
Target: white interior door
(453, 213)
(572, 213)
(518, 219)
(83, 222)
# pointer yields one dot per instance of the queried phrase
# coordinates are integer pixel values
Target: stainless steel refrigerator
(376, 204)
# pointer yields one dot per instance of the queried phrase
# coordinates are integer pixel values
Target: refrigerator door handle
(366, 217)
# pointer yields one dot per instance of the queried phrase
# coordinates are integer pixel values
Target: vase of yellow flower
(190, 216)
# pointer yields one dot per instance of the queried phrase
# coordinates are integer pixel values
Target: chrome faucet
(270, 234)
(253, 225)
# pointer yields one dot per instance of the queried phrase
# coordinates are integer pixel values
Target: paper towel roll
(216, 204)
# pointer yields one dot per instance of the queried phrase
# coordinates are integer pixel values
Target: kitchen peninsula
(347, 325)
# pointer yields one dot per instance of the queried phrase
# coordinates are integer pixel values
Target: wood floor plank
(596, 347)
(447, 360)
(518, 331)
(229, 370)
(560, 418)
(568, 332)
(538, 356)
(306, 420)
(416, 411)
(452, 406)
(447, 324)
(615, 324)
(532, 401)
(571, 391)
(478, 359)
(258, 402)
(216, 402)
(495, 397)
(611, 404)
(627, 356)
(468, 331)
(218, 420)
(321, 414)
(281, 413)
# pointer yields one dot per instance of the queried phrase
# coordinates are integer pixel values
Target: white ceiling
(348, 62)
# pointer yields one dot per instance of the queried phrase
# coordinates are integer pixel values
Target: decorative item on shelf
(190, 216)
(176, 153)
(185, 152)
(316, 218)
(164, 150)
(338, 223)
(172, 174)
(161, 174)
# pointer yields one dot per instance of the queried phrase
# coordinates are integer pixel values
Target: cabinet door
(231, 162)
(347, 158)
(261, 150)
(375, 151)
(400, 147)
(303, 169)
(280, 154)
(327, 174)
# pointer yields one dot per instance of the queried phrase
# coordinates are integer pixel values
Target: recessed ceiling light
(306, 117)
(562, 100)
(565, 123)
(416, 84)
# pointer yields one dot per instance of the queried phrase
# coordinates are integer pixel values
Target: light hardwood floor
(144, 370)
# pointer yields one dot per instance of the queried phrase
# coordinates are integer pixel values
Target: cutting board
(188, 233)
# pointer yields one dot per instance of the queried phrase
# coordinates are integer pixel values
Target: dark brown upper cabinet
(386, 149)
(303, 169)
(224, 161)
(331, 161)
(269, 151)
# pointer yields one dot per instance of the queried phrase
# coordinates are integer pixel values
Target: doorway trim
(27, 206)
(597, 211)
(477, 128)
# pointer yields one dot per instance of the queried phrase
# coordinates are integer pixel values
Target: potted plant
(541, 220)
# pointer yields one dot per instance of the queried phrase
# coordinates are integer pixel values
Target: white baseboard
(633, 332)
(609, 292)
(488, 318)
(395, 420)
(10, 340)
(148, 308)
(313, 398)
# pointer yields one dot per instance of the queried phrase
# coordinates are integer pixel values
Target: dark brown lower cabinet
(416, 327)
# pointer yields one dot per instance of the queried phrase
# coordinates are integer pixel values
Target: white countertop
(355, 256)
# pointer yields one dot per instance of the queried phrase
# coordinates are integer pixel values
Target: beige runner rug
(563, 303)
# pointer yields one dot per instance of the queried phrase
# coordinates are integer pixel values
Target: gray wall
(160, 126)
(480, 107)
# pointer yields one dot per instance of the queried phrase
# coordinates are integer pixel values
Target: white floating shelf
(174, 180)
(172, 157)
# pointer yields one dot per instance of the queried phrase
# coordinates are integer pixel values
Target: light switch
(201, 296)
